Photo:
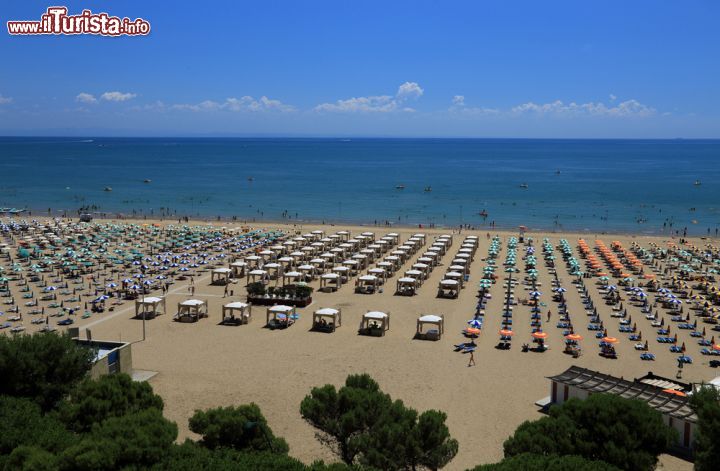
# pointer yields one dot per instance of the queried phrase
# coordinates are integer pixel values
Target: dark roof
(655, 396)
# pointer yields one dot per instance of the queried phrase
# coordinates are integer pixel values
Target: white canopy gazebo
(321, 323)
(448, 289)
(291, 277)
(375, 323)
(433, 320)
(280, 316)
(387, 266)
(395, 260)
(458, 268)
(417, 274)
(220, 275)
(191, 310)
(361, 259)
(439, 247)
(253, 261)
(423, 267)
(238, 268)
(257, 275)
(392, 237)
(352, 266)
(406, 286)
(319, 264)
(330, 281)
(366, 284)
(286, 262)
(244, 311)
(307, 271)
(342, 271)
(274, 270)
(380, 273)
(149, 306)
(455, 275)
(421, 237)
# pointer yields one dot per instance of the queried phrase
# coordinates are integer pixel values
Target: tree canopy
(534, 462)
(364, 425)
(240, 428)
(93, 401)
(706, 403)
(42, 367)
(626, 433)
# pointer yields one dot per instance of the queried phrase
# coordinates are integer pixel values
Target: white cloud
(375, 104)
(246, 103)
(4, 99)
(85, 98)
(625, 109)
(612, 97)
(117, 96)
(409, 90)
(459, 107)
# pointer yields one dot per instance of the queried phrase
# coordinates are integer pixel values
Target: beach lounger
(647, 357)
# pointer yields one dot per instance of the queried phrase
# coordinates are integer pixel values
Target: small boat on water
(483, 213)
(147, 180)
(399, 187)
(697, 183)
(107, 188)
(524, 186)
(428, 189)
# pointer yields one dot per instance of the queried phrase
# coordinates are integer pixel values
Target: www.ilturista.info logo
(57, 21)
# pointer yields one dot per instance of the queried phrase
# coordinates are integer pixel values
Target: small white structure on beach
(448, 289)
(330, 282)
(220, 275)
(321, 316)
(191, 310)
(375, 323)
(438, 323)
(243, 310)
(149, 307)
(366, 284)
(280, 316)
(406, 286)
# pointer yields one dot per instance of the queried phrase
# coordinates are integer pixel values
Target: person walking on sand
(225, 293)
(549, 314)
(472, 359)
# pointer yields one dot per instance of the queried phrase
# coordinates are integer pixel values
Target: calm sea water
(602, 185)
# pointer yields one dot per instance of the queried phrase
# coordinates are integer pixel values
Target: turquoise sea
(587, 185)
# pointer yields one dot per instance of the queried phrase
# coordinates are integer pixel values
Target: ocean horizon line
(359, 137)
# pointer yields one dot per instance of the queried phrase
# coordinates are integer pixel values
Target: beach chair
(647, 357)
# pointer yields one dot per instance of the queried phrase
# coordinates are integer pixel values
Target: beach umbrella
(575, 337)
(473, 331)
(540, 335)
(50, 288)
(475, 323)
(610, 340)
(506, 332)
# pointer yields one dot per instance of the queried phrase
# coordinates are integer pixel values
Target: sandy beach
(204, 364)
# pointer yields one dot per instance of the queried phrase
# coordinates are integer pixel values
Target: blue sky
(575, 68)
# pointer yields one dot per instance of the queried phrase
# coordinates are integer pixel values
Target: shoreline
(500, 229)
